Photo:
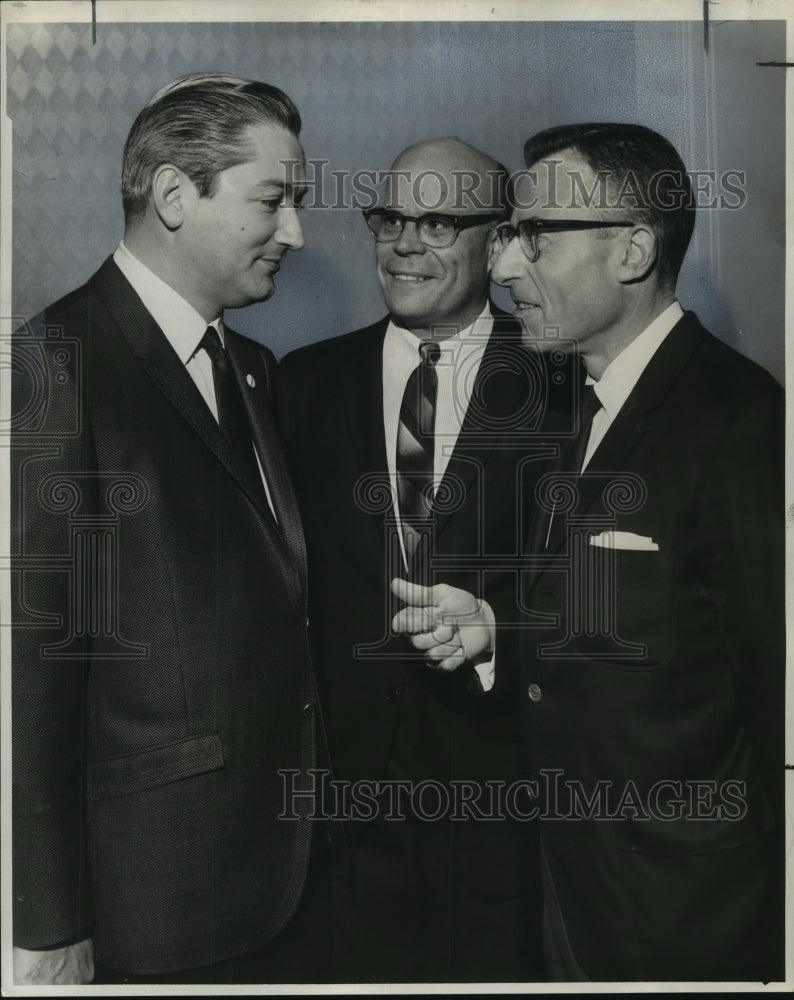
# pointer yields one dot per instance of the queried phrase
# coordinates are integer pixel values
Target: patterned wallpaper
(367, 90)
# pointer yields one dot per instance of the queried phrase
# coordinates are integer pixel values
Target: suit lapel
(364, 399)
(151, 346)
(609, 458)
(539, 541)
(498, 388)
(249, 366)
(626, 431)
(361, 390)
(613, 454)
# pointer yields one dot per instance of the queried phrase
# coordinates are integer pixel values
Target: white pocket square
(624, 540)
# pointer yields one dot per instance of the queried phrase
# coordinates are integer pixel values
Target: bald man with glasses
(408, 441)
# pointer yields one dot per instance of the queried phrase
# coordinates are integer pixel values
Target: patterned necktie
(415, 448)
(232, 414)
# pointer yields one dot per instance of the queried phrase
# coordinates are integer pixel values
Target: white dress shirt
(456, 371)
(184, 329)
(623, 372)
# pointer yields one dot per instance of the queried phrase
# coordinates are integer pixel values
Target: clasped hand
(450, 626)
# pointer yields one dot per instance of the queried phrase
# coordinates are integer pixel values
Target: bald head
(442, 199)
(446, 175)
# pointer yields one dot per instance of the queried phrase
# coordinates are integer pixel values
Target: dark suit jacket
(677, 682)
(376, 689)
(161, 671)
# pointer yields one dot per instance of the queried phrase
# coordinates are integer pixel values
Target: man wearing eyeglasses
(409, 439)
(653, 652)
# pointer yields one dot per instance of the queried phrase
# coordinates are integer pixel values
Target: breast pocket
(622, 606)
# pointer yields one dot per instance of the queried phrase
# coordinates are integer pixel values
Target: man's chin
(408, 317)
(265, 291)
(531, 326)
(537, 334)
(411, 307)
(250, 295)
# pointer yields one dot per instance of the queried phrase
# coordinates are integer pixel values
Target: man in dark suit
(406, 465)
(161, 672)
(653, 650)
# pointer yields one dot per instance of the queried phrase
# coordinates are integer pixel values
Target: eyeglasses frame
(539, 226)
(459, 222)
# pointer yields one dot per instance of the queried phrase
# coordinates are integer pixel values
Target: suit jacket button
(534, 692)
(393, 695)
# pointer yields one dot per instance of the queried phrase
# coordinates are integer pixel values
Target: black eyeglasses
(528, 229)
(435, 231)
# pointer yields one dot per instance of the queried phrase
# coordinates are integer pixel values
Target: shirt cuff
(487, 671)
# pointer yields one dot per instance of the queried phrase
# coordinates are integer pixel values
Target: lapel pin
(251, 381)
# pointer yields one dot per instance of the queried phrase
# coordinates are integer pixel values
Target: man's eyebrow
(298, 191)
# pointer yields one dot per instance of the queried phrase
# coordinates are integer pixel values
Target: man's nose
(408, 241)
(509, 263)
(290, 231)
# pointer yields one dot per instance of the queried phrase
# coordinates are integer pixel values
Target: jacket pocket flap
(749, 817)
(158, 766)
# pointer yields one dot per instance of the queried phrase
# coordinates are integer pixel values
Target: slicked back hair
(198, 123)
(647, 179)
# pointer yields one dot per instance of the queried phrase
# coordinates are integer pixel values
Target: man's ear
(170, 193)
(639, 255)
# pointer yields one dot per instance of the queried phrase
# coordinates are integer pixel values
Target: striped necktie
(415, 448)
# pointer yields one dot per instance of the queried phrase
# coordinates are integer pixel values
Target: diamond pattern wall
(367, 90)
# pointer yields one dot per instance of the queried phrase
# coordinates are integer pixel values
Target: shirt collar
(623, 372)
(182, 325)
(474, 335)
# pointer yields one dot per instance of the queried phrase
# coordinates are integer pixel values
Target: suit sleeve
(52, 904)
(504, 606)
(742, 523)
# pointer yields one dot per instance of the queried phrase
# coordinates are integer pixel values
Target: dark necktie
(574, 450)
(232, 415)
(415, 448)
